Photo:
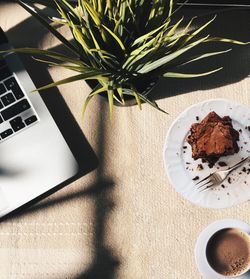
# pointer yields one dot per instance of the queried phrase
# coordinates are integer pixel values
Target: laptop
(218, 3)
(34, 157)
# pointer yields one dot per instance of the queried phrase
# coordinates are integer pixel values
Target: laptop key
(15, 109)
(30, 120)
(8, 99)
(1, 105)
(17, 124)
(11, 84)
(2, 89)
(6, 133)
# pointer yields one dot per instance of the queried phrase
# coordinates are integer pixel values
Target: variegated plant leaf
(202, 56)
(85, 76)
(188, 75)
(164, 60)
(117, 42)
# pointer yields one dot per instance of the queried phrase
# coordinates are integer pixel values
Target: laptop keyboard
(16, 112)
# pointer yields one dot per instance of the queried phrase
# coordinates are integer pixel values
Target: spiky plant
(121, 43)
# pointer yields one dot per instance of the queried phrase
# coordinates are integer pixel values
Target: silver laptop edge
(215, 5)
(35, 159)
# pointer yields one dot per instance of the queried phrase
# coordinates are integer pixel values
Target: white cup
(200, 248)
(247, 236)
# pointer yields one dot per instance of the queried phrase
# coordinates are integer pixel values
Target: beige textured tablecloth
(123, 220)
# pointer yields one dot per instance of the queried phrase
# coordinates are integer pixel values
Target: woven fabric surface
(122, 220)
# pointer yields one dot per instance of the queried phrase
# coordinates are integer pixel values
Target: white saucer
(200, 247)
(181, 169)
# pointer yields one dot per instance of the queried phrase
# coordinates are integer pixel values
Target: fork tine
(207, 187)
(204, 179)
(208, 181)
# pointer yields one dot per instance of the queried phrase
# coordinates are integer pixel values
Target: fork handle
(238, 164)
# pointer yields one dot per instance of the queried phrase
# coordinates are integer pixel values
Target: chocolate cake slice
(213, 138)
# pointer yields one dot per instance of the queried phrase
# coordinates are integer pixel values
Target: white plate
(181, 168)
(201, 244)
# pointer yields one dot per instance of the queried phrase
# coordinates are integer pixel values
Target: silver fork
(216, 178)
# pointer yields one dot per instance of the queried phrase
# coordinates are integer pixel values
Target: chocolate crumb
(248, 127)
(184, 151)
(222, 185)
(197, 118)
(200, 167)
(245, 142)
(245, 182)
(211, 165)
(195, 178)
(222, 164)
(240, 173)
(184, 147)
(240, 130)
(188, 163)
(229, 180)
(244, 169)
(228, 194)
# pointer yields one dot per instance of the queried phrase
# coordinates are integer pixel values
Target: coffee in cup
(228, 252)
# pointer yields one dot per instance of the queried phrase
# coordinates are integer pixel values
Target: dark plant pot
(144, 86)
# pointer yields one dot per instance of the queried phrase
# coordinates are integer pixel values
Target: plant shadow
(236, 63)
(105, 262)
